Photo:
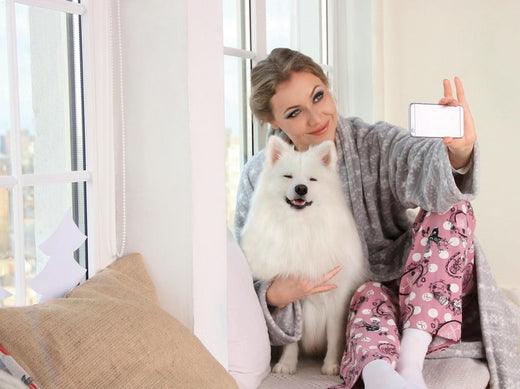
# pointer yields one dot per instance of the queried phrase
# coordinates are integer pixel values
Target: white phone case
(435, 120)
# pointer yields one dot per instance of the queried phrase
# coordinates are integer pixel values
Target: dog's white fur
(279, 239)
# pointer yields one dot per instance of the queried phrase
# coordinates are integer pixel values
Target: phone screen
(435, 120)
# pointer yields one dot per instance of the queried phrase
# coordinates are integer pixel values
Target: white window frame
(98, 116)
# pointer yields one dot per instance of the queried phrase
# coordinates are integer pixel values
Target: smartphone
(436, 121)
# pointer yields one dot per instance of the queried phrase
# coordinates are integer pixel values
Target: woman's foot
(380, 374)
(414, 345)
(414, 379)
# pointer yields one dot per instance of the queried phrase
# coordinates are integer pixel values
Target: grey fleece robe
(385, 172)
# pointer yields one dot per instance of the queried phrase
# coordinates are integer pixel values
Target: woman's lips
(322, 130)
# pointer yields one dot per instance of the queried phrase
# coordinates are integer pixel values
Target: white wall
(174, 110)
(424, 41)
(208, 181)
(158, 147)
(356, 56)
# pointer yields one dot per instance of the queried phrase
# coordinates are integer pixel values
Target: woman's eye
(293, 114)
(318, 96)
(313, 179)
(287, 176)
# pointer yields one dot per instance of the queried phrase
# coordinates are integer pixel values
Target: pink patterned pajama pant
(438, 272)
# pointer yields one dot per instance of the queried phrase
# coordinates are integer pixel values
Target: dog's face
(299, 179)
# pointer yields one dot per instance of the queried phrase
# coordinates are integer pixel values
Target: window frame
(98, 114)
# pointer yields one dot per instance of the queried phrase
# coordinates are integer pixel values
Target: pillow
(248, 341)
(109, 332)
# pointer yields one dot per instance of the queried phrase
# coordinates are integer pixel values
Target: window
(43, 170)
(252, 28)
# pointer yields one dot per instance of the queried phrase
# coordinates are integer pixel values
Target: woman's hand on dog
(285, 290)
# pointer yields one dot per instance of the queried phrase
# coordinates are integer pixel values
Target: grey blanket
(386, 172)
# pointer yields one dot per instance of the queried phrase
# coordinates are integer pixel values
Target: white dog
(299, 224)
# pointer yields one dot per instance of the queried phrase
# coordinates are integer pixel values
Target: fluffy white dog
(299, 224)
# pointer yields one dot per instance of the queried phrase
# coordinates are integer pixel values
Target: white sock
(414, 345)
(379, 374)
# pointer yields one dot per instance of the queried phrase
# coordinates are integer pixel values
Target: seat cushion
(446, 373)
(456, 373)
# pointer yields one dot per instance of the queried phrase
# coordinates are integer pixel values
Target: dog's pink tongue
(299, 201)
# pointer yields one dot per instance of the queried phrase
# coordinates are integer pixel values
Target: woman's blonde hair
(273, 70)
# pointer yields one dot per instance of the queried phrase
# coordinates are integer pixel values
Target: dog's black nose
(301, 190)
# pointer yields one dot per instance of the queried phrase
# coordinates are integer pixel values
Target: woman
(424, 271)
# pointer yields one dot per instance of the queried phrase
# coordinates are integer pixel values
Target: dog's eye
(287, 176)
(313, 179)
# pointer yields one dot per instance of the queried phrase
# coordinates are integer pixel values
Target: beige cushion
(109, 332)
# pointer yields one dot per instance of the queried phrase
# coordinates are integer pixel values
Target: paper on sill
(62, 272)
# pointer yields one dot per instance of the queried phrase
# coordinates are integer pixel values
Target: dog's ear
(276, 146)
(326, 151)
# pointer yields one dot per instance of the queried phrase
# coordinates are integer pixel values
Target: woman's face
(305, 110)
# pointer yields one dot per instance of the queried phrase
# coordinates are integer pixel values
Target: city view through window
(50, 138)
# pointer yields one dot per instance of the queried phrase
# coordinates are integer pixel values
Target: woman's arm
(418, 171)
(464, 169)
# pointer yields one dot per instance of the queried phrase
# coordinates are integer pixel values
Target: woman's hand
(285, 290)
(459, 149)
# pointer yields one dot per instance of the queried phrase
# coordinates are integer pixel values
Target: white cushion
(7, 381)
(248, 340)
